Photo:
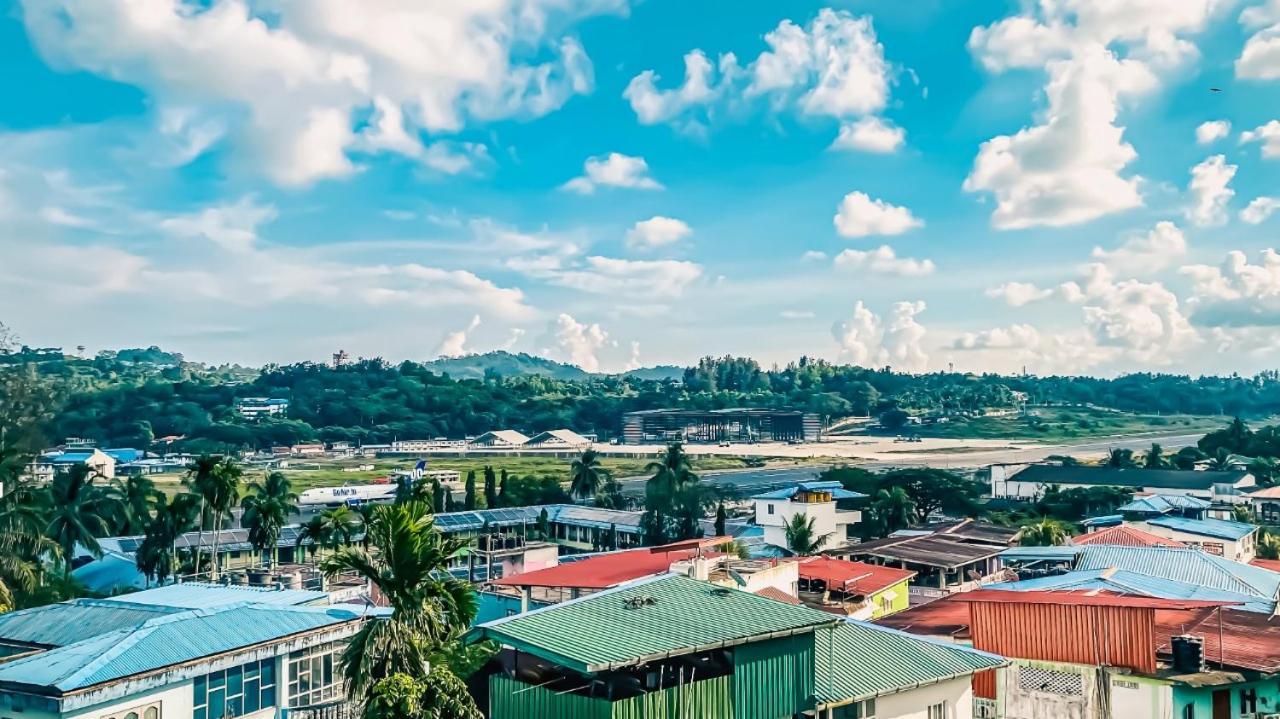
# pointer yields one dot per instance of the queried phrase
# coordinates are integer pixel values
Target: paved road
(742, 480)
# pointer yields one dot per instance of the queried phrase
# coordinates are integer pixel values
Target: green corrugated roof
(855, 661)
(600, 631)
(166, 641)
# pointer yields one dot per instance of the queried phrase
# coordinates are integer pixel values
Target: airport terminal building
(720, 425)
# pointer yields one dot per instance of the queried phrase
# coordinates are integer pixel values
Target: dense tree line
(136, 397)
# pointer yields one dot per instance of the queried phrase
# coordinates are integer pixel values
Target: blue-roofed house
(43, 468)
(1123, 581)
(1190, 566)
(1157, 505)
(1237, 541)
(114, 659)
(819, 501)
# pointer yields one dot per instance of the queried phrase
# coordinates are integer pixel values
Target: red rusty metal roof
(1125, 536)
(1094, 634)
(1270, 564)
(941, 618)
(777, 595)
(599, 572)
(1250, 640)
(851, 577)
(1083, 598)
(702, 543)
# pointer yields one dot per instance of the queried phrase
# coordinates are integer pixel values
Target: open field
(1055, 425)
(306, 474)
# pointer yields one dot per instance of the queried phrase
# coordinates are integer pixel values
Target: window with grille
(147, 711)
(1034, 679)
(938, 711)
(315, 675)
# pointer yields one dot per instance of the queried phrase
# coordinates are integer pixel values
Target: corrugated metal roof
(836, 489)
(1094, 634)
(56, 625)
(777, 595)
(935, 550)
(1065, 553)
(571, 514)
(940, 618)
(1249, 640)
(856, 660)
(664, 616)
(1216, 528)
(1184, 565)
(1137, 477)
(1082, 598)
(1125, 536)
(851, 577)
(600, 571)
(1126, 582)
(199, 595)
(165, 641)
(1163, 503)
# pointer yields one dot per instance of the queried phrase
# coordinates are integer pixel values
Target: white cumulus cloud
(1017, 336)
(1144, 254)
(865, 340)
(1017, 294)
(883, 261)
(870, 134)
(657, 231)
(1267, 135)
(1260, 57)
(576, 342)
(286, 81)
(1212, 131)
(1259, 210)
(859, 216)
(454, 343)
(1210, 191)
(613, 170)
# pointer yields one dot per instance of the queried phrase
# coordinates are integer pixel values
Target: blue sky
(990, 186)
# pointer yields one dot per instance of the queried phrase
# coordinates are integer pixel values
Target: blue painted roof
(198, 595)
(111, 573)
(1184, 565)
(56, 625)
(71, 458)
(1217, 528)
(124, 454)
(1165, 503)
(1108, 520)
(836, 489)
(165, 641)
(1127, 582)
(1034, 554)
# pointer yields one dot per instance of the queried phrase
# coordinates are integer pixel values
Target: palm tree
(802, 538)
(341, 525)
(157, 556)
(1121, 458)
(669, 497)
(585, 474)
(1044, 533)
(1268, 544)
(1222, 460)
(78, 513)
(893, 509)
(224, 489)
(1265, 470)
(266, 510)
(137, 496)
(199, 481)
(1154, 458)
(408, 562)
(313, 533)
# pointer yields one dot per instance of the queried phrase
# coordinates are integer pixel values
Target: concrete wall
(1268, 699)
(827, 520)
(1103, 694)
(957, 694)
(1242, 550)
(891, 600)
(175, 701)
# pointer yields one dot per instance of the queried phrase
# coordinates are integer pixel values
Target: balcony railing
(330, 710)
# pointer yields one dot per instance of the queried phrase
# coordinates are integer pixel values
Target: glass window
(1248, 701)
(315, 675)
(938, 711)
(234, 692)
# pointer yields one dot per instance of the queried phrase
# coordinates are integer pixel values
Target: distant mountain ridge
(508, 364)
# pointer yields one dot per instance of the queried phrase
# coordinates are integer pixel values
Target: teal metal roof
(856, 660)
(648, 619)
(1184, 565)
(1066, 553)
(836, 489)
(200, 595)
(57, 625)
(1165, 503)
(1216, 528)
(165, 641)
(1127, 582)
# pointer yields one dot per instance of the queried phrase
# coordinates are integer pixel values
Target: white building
(1030, 482)
(417, 446)
(815, 500)
(557, 439)
(259, 407)
(101, 463)
(498, 439)
(111, 659)
(1237, 541)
